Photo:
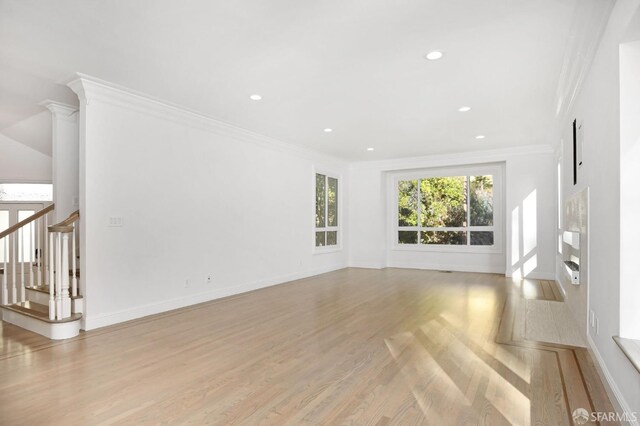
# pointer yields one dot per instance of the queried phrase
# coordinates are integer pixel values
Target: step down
(35, 317)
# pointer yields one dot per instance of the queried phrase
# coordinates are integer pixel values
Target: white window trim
(497, 170)
(338, 246)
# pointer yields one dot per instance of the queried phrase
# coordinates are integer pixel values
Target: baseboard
(616, 397)
(366, 265)
(448, 267)
(111, 318)
(542, 276)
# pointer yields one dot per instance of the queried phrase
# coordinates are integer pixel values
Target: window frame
(338, 246)
(496, 170)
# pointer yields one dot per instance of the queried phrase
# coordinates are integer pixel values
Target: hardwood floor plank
(355, 346)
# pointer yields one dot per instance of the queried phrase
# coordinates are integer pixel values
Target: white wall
(598, 106)
(629, 193)
(529, 181)
(20, 163)
(197, 198)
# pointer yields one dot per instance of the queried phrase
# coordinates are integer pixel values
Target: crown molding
(454, 159)
(585, 35)
(90, 89)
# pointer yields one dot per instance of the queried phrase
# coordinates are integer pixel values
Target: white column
(66, 160)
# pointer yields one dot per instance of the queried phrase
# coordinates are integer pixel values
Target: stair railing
(15, 256)
(60, 296)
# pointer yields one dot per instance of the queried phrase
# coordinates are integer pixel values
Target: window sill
(448, 249)
(319, 250)
(631, 348)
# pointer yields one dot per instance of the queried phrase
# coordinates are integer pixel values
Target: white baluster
(5, 289)
(74, 281)
(66, 300)
(59, 274)
(39, 251)
(22, 258)
(46, 244)
(52, 302)
(32, 245)
(14, 259)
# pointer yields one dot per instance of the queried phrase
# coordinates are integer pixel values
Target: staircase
(38, 275)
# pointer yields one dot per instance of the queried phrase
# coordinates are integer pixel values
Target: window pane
(332, 200)
(407, 237)
(481, 238)
(443, 202)
(408, 203)
(481, 201)
(320, 201)
(320, 242)
(26, 192)
(444, 237)
(332, 238)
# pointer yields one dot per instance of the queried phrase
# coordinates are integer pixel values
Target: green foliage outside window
(443, 202)
(481, 200)
(446, 202)
(326, 211)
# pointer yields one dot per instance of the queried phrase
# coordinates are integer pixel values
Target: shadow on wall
(524, 237)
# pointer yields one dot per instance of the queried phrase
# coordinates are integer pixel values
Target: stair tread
(38, 311)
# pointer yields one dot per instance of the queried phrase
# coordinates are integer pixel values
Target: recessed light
(480, 137)
(255, 97)
(434, 55)
(464, 109)
(328, 130)
(370, 149)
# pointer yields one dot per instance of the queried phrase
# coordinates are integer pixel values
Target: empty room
(330, 212)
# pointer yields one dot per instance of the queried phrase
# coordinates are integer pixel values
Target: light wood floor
(356, 346)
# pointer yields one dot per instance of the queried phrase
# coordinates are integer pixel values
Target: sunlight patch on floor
(429, 383)
(501, 353)
(504, 396)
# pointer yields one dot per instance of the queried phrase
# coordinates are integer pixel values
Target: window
(446, 211)
(326, 232)
(26, 192)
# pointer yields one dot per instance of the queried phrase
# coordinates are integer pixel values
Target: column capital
(59, 109)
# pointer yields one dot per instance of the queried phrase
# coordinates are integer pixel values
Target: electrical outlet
(597, 326)
(593, 318)
(209, 279)
(186, 283)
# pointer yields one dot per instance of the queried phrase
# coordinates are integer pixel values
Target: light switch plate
(116, 221)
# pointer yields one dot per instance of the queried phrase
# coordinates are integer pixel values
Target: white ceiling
(356, 66)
